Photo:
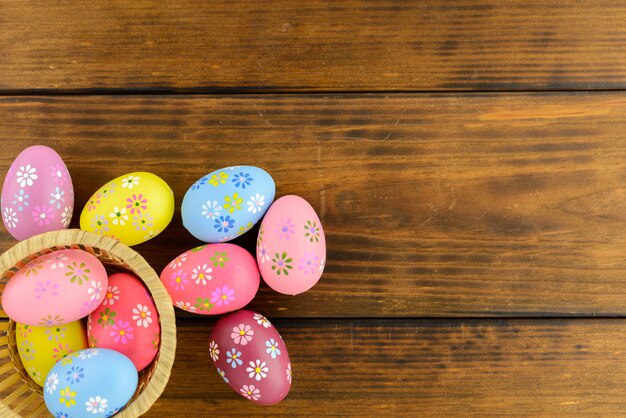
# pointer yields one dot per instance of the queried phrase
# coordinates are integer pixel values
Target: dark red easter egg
(251, 356)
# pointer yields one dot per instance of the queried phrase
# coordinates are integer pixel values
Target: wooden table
(467, 159)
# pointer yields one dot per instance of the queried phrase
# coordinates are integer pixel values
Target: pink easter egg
(37, 194)
(127, 321)
(212, 279)
(291, 247)
(55, 288)
(251, 356)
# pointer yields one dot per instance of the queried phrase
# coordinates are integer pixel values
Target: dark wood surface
(438, 205)
(467, 159)
(410, 367)
(313, 46)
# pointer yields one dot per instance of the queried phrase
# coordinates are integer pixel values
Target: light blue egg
(226, 203)
(96, 382)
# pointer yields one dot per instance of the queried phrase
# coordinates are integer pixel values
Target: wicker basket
(19, 395)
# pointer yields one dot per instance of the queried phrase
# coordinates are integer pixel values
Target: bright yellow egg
(132, 208)
(41, 347)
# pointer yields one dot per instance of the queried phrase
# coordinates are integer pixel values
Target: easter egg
(127, 321)
(251, 356)
(226, 203)
(291, 247)
(40, 348)
(55, 288)
(132, 208)
(97, 382)
(37, 194)
(212, 279)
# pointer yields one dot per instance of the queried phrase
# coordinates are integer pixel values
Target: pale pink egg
(55, 288)
(212, 279)
(37, 194)
(291, 247)
(127, 321)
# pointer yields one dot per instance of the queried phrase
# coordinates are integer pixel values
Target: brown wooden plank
(416, 367)
(313, 45)
(433, 205)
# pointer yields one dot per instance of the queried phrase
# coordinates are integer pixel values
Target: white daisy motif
(261, 320)
(256, 203)
(112, 295)
(185, 306)
(201, 274)
(142, 316)
(119, 216)
(66, 216)
(95, 290)
(321, 268)
(130, 182)
(26, 175)
(214, 350)
(258, 370)
(51, 382)
(10, 217)
(96, 405)
(58, 261)
(211, 209)
(85, 354)
(178, 261)
(263, 254)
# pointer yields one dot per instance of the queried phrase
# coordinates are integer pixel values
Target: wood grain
(433, 205)
(312, 46)
(420, 367)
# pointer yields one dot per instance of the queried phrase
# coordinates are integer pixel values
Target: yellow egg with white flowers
(40, 348)
(132, 208)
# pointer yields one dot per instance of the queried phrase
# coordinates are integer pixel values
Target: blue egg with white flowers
(226, 203)
(95, 382)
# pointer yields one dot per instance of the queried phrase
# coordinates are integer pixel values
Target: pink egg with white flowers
(127, 321)
(291, 246)
(212, 279)
(37, 194)
(55, 288)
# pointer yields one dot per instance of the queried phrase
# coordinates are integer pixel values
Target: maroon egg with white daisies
(251, 356)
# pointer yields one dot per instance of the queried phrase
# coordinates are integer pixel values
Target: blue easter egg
(95, 382)
(226, 203)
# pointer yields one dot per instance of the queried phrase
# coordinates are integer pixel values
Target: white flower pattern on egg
(10, 217)
(36, 198)
(142, 316)
(136, 207)
(226, 203)
(66, 216)
(26, 175)
(130, 182)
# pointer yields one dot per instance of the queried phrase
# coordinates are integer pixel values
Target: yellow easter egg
(132, 208)
(40, 348)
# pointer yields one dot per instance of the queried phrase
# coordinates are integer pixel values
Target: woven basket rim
(167, 350)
